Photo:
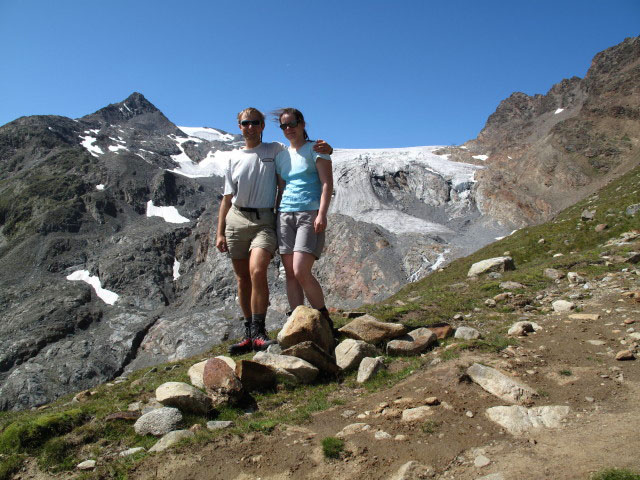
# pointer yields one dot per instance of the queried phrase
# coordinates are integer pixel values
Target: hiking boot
(261, 340)
(245, 345)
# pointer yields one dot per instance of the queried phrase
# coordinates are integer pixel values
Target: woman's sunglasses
(246, 123)
(293, 124)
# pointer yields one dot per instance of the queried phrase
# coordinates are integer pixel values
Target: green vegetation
(615, 474)
(10, 465)
(332, 447)
(566, 373)
(430, 427)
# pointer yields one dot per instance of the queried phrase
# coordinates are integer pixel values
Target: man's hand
(323, 147)
(221, 243)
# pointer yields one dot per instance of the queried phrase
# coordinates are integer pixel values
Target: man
(246, 224)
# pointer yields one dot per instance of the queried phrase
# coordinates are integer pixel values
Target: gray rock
(313, 354)
(132, 451)
(497, 264)
(350, 352)
(371, 330)
(414, 471)
(158, 422)
(518, 420)
(171, 439)
(523, 327)
(303, 370)
(633, 209)
(553, 274)
(417, 414)
(306, 324)
(219, 424)
(352, 429)
(255, 376)
(184, 397)
(481, 461)
(86, 465)
(511, 286)
(575, 278)
(467, 333)
(588, 215)
(368, 368)
(562, 306)
(413, 343)
(500, 385)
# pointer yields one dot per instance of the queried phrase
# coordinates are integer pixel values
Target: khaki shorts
(245, 231)
(296, 233)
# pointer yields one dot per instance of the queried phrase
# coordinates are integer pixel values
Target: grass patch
(565, 373)
(615, 474)
(332, 447)
(430, 427)
(29, 435)
(10, 465)
(57, 455)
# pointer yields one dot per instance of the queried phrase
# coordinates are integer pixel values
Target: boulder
(306, 325)
(221, 382)
(170, 439)
(219, 424)
(369, 366)
(350, 352)
(562, 306)
(303, 370)
(313, 354)
(184, 397)
(497, 264)
(467, 333)
(370, 330)
(592, 317)
(588, 215)
(575, 278)
(158, 422)
(442, 330)
(255, 375)
(86, 465)
(500, 385)
(196, 371)
(352, 429)
(518, 420)
(511, 286)
(414, 343)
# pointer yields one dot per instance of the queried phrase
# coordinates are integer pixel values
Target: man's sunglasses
(293, 124)
(246, 123)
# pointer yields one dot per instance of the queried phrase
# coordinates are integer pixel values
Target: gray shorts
(245, 231)
(296, 233)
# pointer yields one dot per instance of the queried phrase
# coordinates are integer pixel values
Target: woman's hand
(320, 223)
(323, 147)
(221, 243)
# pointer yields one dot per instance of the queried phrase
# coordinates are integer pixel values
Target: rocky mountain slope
(126, 201)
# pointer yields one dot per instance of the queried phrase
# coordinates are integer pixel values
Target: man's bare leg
(245, 291)
(259, 259)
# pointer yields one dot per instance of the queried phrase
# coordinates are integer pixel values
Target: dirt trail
(569, 362)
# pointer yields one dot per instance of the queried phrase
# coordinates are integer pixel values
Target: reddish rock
(625, 355)
(442, 330)
(221, 382)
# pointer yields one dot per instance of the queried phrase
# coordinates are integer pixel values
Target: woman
(305, 184)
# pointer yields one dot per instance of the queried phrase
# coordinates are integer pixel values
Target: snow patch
(117, 148)
(481, 157)
(560, 110)
(207, 133)
(213, 164)
(176, 269)
(107, 296)
(100, 187)
(88, 143)
(169, 214)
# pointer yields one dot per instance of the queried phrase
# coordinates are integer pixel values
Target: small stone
(219, 424)
(597, 343)
(629, 321)
(401, 438)
(380, 435)
(590, 399)
(431, 401)
(87, 465)
(467, 333)
(469, 414)
(416, 414)
(131, 451)
(170, 439)
(481, 461)
(561, 306)
(625, 355)
(348, 413)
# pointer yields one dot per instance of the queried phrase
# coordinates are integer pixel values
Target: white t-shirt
(250, 176)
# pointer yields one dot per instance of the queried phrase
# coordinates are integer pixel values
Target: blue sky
(366, 74)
